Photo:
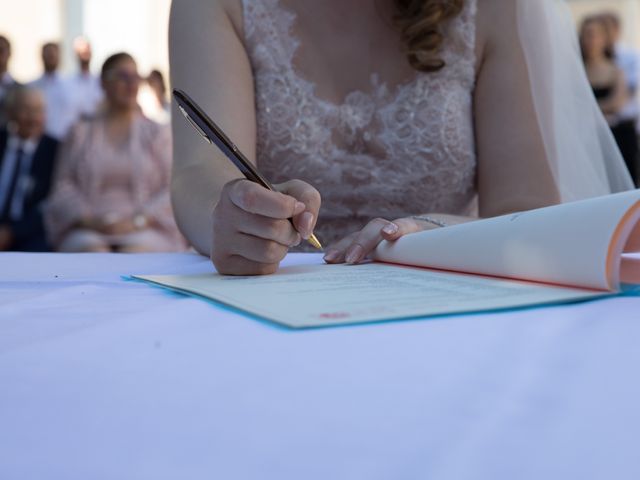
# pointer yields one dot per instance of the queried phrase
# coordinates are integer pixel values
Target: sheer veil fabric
(582, 152)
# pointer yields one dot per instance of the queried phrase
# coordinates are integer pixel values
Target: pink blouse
(98, 179)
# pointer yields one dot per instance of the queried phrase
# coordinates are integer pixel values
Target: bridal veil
(582, 152)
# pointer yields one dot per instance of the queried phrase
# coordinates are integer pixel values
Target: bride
(377, 119)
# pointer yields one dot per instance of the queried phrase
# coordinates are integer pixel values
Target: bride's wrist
(442, 219)
(431, 220)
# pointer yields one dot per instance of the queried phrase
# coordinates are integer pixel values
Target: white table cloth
(104, 378)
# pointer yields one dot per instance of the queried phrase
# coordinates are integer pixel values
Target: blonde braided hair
(421, 26)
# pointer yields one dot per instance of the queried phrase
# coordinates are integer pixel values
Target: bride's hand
(251, 228)
(356, 247)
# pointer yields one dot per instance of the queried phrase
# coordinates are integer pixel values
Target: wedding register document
(564, 253)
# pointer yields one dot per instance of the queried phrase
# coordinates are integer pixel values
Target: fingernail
(299, 208)
(353, 254)
(297, 241)
(306, 222)
(391, 229)
(331, 256)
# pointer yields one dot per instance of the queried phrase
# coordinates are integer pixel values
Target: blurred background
(135, 26)
(139, 27)
(628, 10)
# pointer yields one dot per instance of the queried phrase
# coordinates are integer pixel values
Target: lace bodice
(391, 152)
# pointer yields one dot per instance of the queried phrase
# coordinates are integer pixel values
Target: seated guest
(111, 190)
(6, 80)
(609, 85)
(153, 98)
(62, 110)
(628, 60)
(157, 83)
(26, 164)
(84, 85)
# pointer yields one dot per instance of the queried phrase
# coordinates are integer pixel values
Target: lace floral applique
(392, 152)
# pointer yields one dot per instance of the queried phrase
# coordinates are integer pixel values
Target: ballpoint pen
(213, 134)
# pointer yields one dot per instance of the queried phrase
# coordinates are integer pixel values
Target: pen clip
(194, 124)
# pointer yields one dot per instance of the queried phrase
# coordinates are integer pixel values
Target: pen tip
(313, 240)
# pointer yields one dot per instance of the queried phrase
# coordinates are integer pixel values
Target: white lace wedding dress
(392, 151)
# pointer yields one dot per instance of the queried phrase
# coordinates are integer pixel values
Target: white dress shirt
(6, 81)
(24, 182)
(628, 60)
(62, 109)
(86, 91)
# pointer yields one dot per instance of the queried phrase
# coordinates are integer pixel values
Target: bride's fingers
(366, 240)
(376, 230)
(403, 226)
(355, 247)
(336, 251)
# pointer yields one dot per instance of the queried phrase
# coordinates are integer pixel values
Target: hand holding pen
(252, 231)
(254, 222)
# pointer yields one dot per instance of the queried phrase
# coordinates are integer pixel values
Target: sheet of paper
(577, 244)
(325, 295)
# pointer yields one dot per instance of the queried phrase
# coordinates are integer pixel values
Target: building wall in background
(28, 24)
(142, 32)
(136, 26)
(140, 27)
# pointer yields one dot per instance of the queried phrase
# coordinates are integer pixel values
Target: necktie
(21, 188)
(13, 184)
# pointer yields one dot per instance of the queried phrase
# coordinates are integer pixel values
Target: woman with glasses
(111, 191)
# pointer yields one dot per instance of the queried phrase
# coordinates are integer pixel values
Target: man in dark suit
(6, 80)
(27, 158)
